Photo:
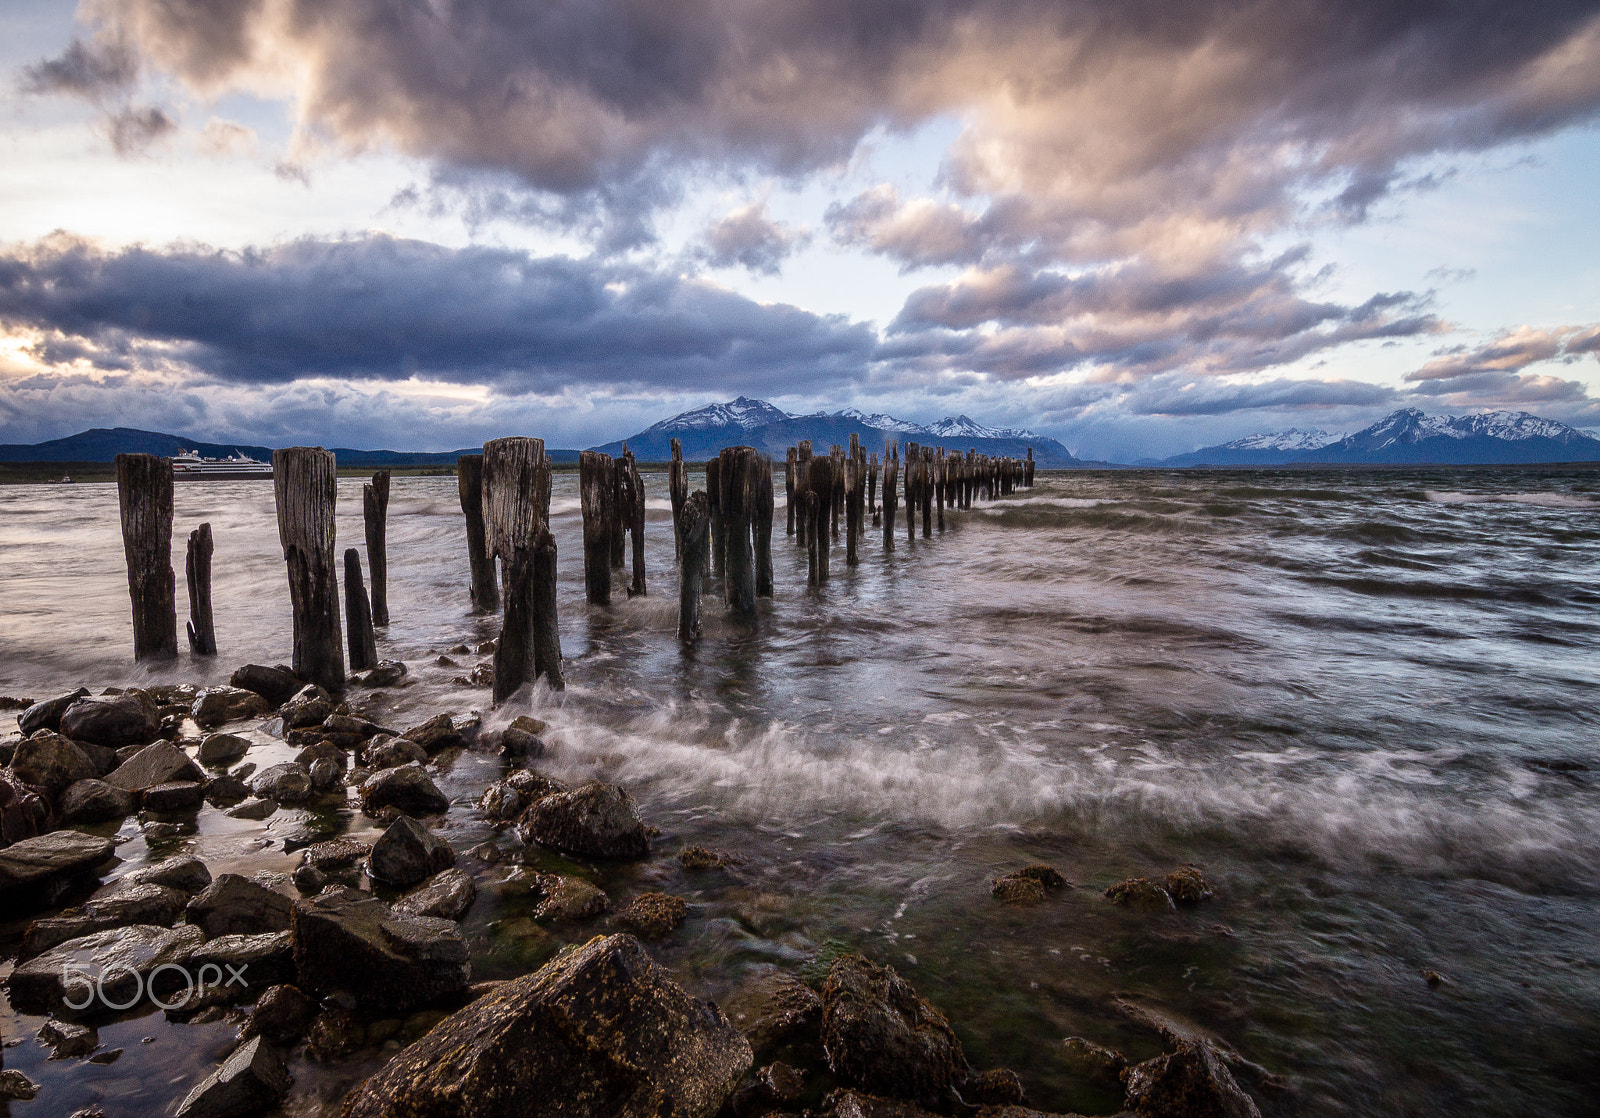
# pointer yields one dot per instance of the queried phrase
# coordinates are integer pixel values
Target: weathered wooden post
(821, 484)
(597, 481)
(801, 481)
(144, 492)
(693, 530)
(788, 486)
(358, 615)
(719, 540)
(678, 491)
(913, 458)
(736, 478)
(305, 487)
(764, 508)
(852, 512)
(872, 488)
(197, 571)
(632, 517)
(469, 483)
(375, 514)
(516, 516)
(925, 488)
(813, 560)
(939, 477)
(836, 498)
(1027, 477)
(891, 495)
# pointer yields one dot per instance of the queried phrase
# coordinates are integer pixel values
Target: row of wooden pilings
(722, 534)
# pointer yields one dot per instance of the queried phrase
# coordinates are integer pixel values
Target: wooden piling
(304, 481)
(763, 504)
(788, 486)
(940, 477)
(836, 498)
(852, 512)
(913, 495)
(820, 482)
(631, 514)
(925, 488)
(813, 561)
(872, 488)
(719, 542)
(197, 570)
(144, 492)
(891, 495)
(1027, 477)
(375, 515)
(694, 529)
(802, 477)
(736, 481)
(678, 491)
(469, 484)
(597, 481)
(516, 515)
(358, 615)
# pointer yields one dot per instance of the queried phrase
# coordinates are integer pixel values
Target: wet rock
(217, 705)
(995, 1087)
(334, 1033)
(114, 722)
(1140, 893)
(50, 858)
(385, 752)
(846, 1103)
(233, 905)
(600, 1031)
(66, 1040)
(567, 900)
(1099, 1065)
(353, 945)
(521, 740)
(156, 831)
(1193, 1082)
(222, 749)
(175, 795)
(774, 1009)
(698, 858)
(225, 791)
(119, 960)
(14, 1086)
(248, 1082)
(407, 788)
(256, 808)
(281, 1015)
(594, 821)
(276, 685)
(1186, 885)
(288, 783)
(652, 915)
(307, 707)
(507, 799)
(51, 762)
(46, 715)
(158, 763)
(1030, 885)
(387, 673)
(447, 895)
(183, 872)
(133, 903)
(23, 810)
(246, 963)
(408, 853)
(879, 1035)
(437, 733)
(94, 801)
(335, 858)
(327, 775)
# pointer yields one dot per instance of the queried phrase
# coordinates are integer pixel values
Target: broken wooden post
(925, 488)
(1027, 477)
(469, 483)
(763, 505)
(820, 482)
(305, 487)
(516, 516)
(678, 491)
(913, 458)
(597, 481)
(375, 514)
(144, 492)
(940, 475)
(788, 486)
(719, 540)
(631, 517)
(622, 510)
(358, 615)
(836, 498)
(736, 480)
(694, 528)
(813, 562)
(197, 570)
(872, 488)
(852, 512)
(891, 496)
(801, 480)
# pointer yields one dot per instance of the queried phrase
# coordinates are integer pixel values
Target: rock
(1099, 1065)
(276, 685)
(385, 752)
(114, 722)
(408, 853)
(130, 903)
(327, 775)
(507, 799)
(857, 1104)
(387, 673)
(216, 705)
(255, 808)
(772, 1010)
(183, 872)
(594, 821)
(598, 1032)
(46, 715)
(698, 858)
(288, 783)
(236, 906)
(879, 1035)
(51, 762)
(1140, 893)
(223, 749)
(652, 915)
(94, 801)
(1029, 885)
(1192, 1082)
(567, 900)
(249, 1081)
(307, 707)
(118, 961)
(48, 858)
(521, 740)
(407, 788)
(67, 1041)
(15, 1086)
(225, 791)
(1186, 885)
(995, 1087)
(158, 763)
(281, 1015)
(354, 945)
(324, 862)
(448, 894)
(175, 795)
(437, 733)
(23, 811)
(247, 962)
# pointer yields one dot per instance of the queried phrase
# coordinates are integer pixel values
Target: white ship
(187, 465)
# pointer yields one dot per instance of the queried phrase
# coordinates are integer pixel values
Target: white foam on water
(1544, 500)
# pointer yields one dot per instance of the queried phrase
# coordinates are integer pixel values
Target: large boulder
(249, 1081)
(879, 1035)
(408, 853)
(276, 685)
(306, 707)
(594, 821)
(223, 749)
(124, 904)
(599, 1032)
(94, 801)
(46, 715)
(183, 872)
(1193, 1082)
(216, 705)
(247, 963)
(117, 961)
(112, 722)
(448, 895)
(233, 905)
(23, 811)
(51, 762)
(437, 733)
(44, 859)
(351, 944)
(408, 789)
(158, 763)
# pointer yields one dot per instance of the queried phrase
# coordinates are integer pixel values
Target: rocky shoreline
(360, 945)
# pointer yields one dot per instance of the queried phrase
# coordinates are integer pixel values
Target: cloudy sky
(1139, 226)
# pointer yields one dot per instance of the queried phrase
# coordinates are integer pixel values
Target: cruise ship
(187, 465)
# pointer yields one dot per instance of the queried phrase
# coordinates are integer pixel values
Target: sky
(1135, 226)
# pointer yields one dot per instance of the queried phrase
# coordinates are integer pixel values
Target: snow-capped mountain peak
(1411, 425)
(1293, 439)
(744, 413)
(965, 427)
